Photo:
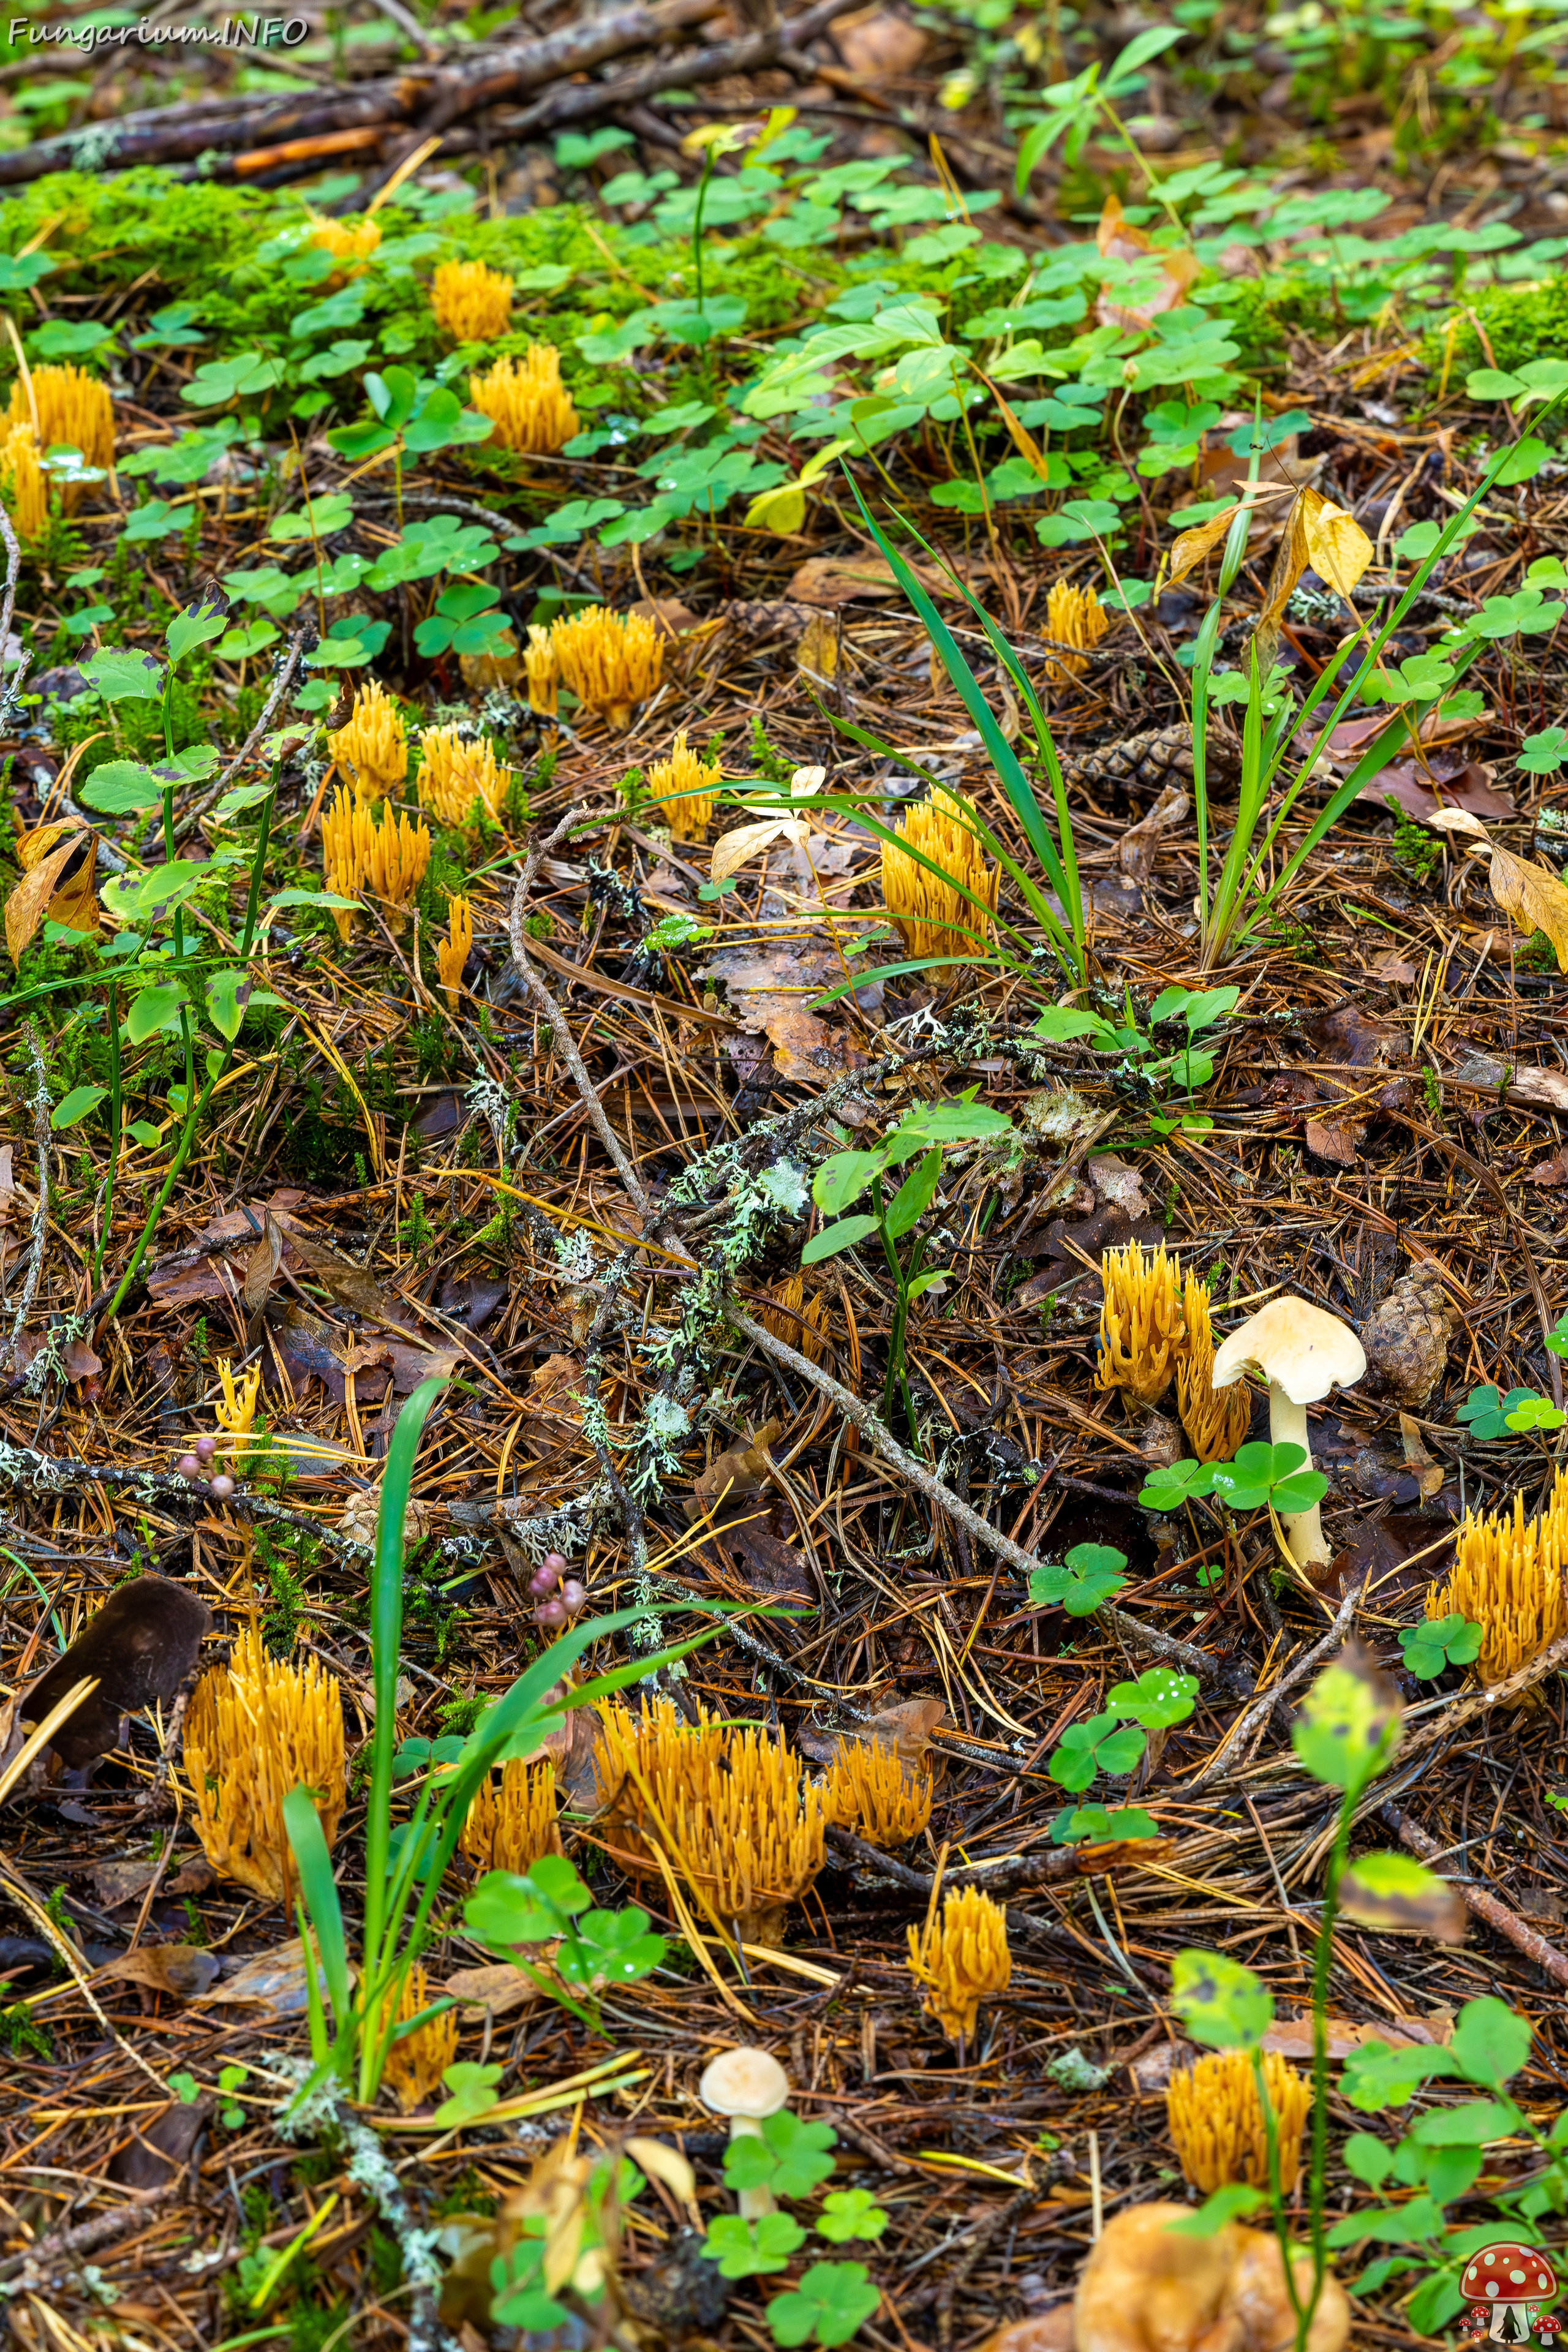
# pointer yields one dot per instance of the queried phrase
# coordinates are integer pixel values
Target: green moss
(1522, 322)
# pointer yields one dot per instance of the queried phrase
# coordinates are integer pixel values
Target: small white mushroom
(1302, 1353)
(745, 2085)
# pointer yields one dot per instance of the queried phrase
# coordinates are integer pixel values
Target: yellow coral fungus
(452, 952)
(371, 746)
(1216, 2120)
(416, 2061)
(527, 403)
(1215, 1419)
(932, 912)
(23, 485)
(543, 671)
(387, 859)
(687, 788)
(471, 301)
(1508, 1579)
(510, 1826)
(609, 660)
(256, 1729)
(961, 1959)
(237, 1412)
(1074, 616)
(726, 1806)
(870, 1790)
(456, 770)
(69, 409)
(800, 1323)
(356, 244)
(1140, 1322)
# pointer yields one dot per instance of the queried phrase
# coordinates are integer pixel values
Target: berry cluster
(554, 1607)
(196, 1464)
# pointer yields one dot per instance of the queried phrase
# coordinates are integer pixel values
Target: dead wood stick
(561, 1036)
(1175, 1652)
(1236, 1738)
(170, 134)
(39, 1236)
(575, 103)
(1485, 1906)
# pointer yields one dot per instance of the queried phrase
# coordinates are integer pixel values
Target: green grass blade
(319, 1896)
(385, 1641)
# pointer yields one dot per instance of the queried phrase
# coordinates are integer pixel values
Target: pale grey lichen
(784, 1185)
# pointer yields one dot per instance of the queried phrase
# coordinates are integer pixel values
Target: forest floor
(566, 1171)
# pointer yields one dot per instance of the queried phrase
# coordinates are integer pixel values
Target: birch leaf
(733, 850)
(1537, 900)
(45, 856)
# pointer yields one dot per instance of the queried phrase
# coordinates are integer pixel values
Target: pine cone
(1160, 755)
(1406, 1338)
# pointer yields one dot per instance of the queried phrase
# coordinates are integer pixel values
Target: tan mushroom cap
(744, 2083)
(1297, 1346)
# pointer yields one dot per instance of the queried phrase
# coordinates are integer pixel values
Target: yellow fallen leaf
(736, 849)
(1536, 900)
(1193, 545)
(57, 862)
(1337, 547)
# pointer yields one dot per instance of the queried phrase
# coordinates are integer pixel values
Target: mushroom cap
(743, 2082)
(1297, 1346)
(1509, 2273)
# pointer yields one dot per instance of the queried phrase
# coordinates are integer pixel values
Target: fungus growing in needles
(1302, 1352)
(746, 2085)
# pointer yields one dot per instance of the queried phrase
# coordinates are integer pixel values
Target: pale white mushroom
(1302, 1353)
(745, 2085)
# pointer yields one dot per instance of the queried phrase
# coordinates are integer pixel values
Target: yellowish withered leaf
(663, 2164)
(53, 858)
(736, 849)
(1022, 440)
(1191, 547)
(1537, 900)
(1337, 547)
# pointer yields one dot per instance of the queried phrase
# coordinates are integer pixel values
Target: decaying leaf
(1135, 851)
(273, 1981)
(183, 1970)
(140, 1646)
(1178, 265)
(1429, 1474)
(498, 1986)
(1337, 547)
(58, 864)
(1392, 1894)
(1535, 899)
(1188, 551)
(261, 1265)
(738, 1472)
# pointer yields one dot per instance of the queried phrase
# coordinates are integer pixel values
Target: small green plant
(1261, 1476)
(550, 1904)
(1157, 1068)
(1417, 852)
(831, 2300)
(1346, 1735)
(1438, 1642)
(1488, 1414)
(352, 2030)
(19, 2029)
(1088, 1577)
(926, 1131)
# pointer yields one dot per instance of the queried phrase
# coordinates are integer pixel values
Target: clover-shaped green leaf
(831, 2304)
(610, 1947)
(790, 2158)
(1172, 1483)
(1091, 1574)
(1159, 1699)
(1100, 1824)
(849, 2213)
(1103, 1744)
(471, 2094)
(1262, 1474)
(1437, 1642)
(752, 2248)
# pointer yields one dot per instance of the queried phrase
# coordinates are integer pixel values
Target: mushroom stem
(752, 2203)
(1303, 1530)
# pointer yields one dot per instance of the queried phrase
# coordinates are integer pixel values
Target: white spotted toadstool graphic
(1510, 2279)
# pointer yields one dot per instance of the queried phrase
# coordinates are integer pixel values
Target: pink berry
(206, 1447)
(551, 1613)
(222, 1487)
(542, 1581)
(555, 1563)
(572, 1596)
(188, 1466)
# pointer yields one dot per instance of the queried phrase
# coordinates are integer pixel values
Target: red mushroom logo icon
(1549, 2327)
(1509, 2279)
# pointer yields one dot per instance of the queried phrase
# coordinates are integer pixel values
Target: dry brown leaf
(496, 1987)
(817, 652)
(1135, 851)
(1116, 237)
(48, 872)
(183, 1970)
(1022, 440)
(261, 1265)
(1190, 548)
(1429, 1474)
(740, 1472)
(1337, 547)
(1535, 899)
